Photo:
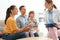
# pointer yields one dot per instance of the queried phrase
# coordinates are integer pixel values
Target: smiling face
(49, 6)
(14, 11)
(23, 10)
(31, 14)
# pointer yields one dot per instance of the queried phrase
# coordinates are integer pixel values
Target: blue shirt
(55, 16)
(50, 17)
(21, 21)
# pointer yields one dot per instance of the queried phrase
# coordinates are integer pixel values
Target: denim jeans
(14, 36)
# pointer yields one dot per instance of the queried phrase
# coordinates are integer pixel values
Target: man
(22, 19)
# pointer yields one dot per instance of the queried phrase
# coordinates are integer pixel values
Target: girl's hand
(55, 25)
(30, 25)
(58, 24)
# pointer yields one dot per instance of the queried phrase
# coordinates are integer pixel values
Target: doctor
(52, 19)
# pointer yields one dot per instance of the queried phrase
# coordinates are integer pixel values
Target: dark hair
(54, 6)
(21, 7)
(31, 12)
(8, 12)
(49, 1)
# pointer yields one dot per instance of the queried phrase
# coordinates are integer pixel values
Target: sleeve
(44, 13)
(12, 25)
(18, 22)
(36, 22)
(58, 16)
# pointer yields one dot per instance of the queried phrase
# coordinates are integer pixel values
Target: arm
(36, 28)
(58, 16)
(36, 25)
(18, 22)
(19, 25)
(13, 27)
(25, 28)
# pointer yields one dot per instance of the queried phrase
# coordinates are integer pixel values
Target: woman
(11, 31)
(51, 18)
(34, 30)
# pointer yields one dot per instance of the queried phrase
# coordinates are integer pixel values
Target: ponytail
(54, 6)
(8, 12)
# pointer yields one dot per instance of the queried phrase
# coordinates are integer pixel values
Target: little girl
(33, 30)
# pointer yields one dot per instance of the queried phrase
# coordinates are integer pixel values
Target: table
(36, 38)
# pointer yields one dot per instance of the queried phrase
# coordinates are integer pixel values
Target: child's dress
(31, 32)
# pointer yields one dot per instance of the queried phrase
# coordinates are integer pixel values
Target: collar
(23, 16)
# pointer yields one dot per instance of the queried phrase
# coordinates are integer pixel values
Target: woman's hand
(26, 28)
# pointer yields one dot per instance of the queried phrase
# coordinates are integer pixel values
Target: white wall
(36, 5)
